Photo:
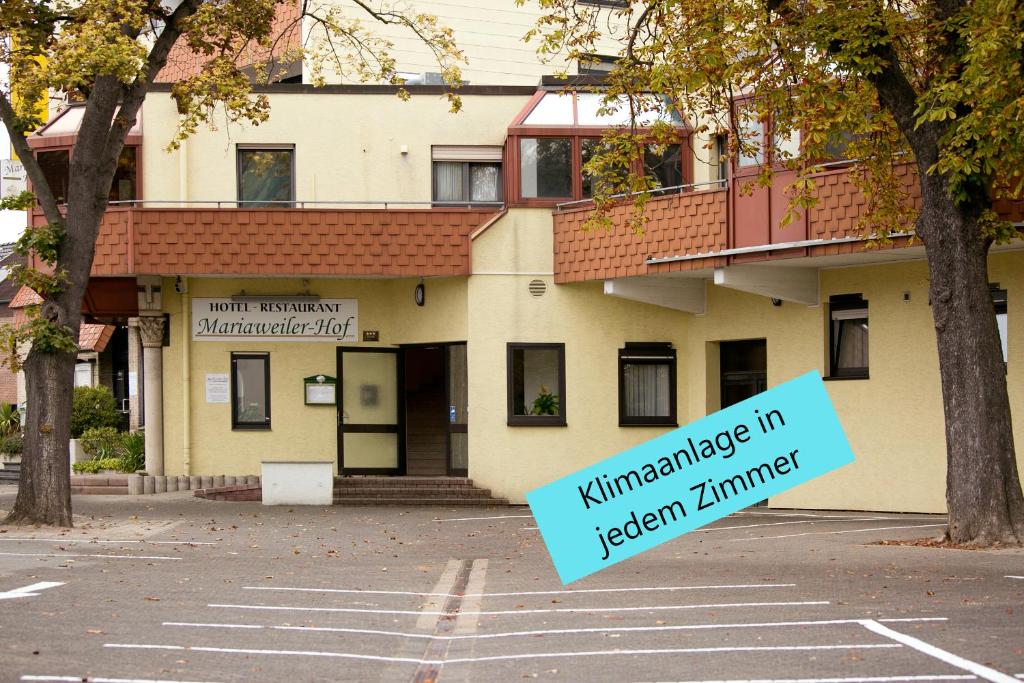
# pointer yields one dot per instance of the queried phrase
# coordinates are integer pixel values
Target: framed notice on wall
(321, 390)
(217, 388)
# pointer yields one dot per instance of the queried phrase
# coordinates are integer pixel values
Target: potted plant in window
(546, 403)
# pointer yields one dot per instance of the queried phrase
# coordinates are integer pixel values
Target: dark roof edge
(346, 89)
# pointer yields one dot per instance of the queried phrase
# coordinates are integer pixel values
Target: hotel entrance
(403, 411)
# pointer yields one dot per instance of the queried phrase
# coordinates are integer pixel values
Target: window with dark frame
(266, 176)
(56, 168)
(595, 65)
(647, 384)
(999, 302)
(848, 337)
(721, 160)
(536, 384)
(545, 168)
(250, 391)
(466, 182)
(664, 164)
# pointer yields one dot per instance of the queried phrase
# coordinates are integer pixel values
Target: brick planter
(99, 484)
(236, 493)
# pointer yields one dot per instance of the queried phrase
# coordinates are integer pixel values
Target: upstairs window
(595, 65)
(647, 384)
(56, 167)
(848, 337)
(999, 302)
(545, 167)
(464, 175)
(664, 165)
(266, 176)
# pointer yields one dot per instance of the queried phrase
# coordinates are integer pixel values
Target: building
(404, 291)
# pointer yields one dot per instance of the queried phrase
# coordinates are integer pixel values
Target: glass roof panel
(589, 104)
(554, 109)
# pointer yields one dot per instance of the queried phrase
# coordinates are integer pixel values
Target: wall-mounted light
(776, 302)
(404, 149)
(419, 295)
(179, 285)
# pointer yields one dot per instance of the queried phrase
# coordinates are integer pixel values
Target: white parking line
(493, 595)
(474, 519)
(807, 521)
(938, 653)
(533, 634)
(845, 531)
(654, 608)
(118, 557)
(819, 516)
(851, 679)
(102, 679)
(102, 541)
(1016, 577)
(495, 658)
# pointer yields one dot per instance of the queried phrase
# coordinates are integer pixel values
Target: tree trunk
(983, 491)
(44, 490)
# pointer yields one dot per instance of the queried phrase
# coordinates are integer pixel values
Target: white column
(151, 329)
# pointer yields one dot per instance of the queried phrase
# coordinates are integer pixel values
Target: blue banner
(690, 477)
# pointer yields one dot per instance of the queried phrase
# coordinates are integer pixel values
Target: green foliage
(546, 403)
(22, 201)
(133, 448)
(11, 444)
(102, 442)
(97, 465)
(42, 240)
(93, 407)
(886, 79)
(10, 419)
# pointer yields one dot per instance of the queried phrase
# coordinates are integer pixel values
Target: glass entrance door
(369, 419)
(458, 411)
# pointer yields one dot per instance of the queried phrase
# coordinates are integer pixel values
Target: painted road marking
(29, 591)
(102, 679)
(473, 519)
(496, 658)
(518, 593)
(851, 679)
(116, 557)
(845, 531)
(1016, 577)
(470, 607)
(654, 608)
(752, 526)
(443, 587)
(103, 541)
(818, 516)
(938, 653)
(545, 632)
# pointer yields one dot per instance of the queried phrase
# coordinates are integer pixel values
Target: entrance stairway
(411, 491)
(10, 473)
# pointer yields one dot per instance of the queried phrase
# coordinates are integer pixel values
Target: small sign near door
(452, 414)
(217, 388)
(371, 335)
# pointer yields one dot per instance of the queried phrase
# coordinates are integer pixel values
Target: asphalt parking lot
(174, 588)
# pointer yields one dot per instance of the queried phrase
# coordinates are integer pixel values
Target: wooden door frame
(400, 409)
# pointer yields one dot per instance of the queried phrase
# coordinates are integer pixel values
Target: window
(83, 374)
(647, 384)
(122, 189)
(546, 167)
(848, 337)
(266, 176)
(56, 169)
(536, 384)
(589, 148)
(752, 134)
(720, 158)
(664, 166)
(250, 391)
(999, 301)
(597, 65)
(464, 182)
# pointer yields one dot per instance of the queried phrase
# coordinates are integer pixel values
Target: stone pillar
(135, 402)
(151, 329)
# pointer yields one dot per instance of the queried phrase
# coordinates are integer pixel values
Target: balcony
(305, 239)
(703, 228)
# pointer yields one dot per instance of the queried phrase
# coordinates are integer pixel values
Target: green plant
(10, 419)
(92, 407)
(133, 447)
(96, 465)
(546, 403)
(102, 442)
(11, 444)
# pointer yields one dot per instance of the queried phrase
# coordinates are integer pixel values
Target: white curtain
(448, 181)
(646, 389)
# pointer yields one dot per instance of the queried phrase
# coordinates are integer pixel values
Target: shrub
(96, 465)
(133, 447)
(102, 442)
(11, 444)
(10, 419)
(92, 407)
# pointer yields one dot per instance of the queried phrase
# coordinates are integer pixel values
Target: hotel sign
(275, 319)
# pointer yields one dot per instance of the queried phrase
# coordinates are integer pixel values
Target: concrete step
(374, 482)
(410, 501)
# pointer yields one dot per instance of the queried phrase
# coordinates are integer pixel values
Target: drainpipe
(183, 171)
(186, 377)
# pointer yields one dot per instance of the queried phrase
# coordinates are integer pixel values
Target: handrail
(278, 204)
(657, 191)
